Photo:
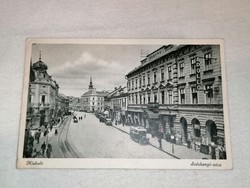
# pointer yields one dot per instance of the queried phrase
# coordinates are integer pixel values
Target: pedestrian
(160, 142)
(49, 150)
(37, 137)
(48, 153)
(43, 147)
(31, 141)
(44, 133)
(29, 151)
(49, 146)
(56, 132)
(51, 126)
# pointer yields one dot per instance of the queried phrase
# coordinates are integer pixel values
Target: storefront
(151, 121)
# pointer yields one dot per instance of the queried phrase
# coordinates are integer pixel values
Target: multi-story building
(176, 92)
(93, 100)
(75, 103)
(62, 105)
(43, 92)
(118, 102)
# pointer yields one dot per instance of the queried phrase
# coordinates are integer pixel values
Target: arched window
(211, 131)
(196, 128)
(183, 122)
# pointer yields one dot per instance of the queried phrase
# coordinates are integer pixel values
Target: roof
(118, 92)
(40, 65)
(99, 93)
(148, 61)
(102, 93)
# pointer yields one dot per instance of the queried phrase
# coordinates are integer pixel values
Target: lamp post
(172, 141)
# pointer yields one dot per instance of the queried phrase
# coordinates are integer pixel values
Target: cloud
(87, 65)
(76, 75)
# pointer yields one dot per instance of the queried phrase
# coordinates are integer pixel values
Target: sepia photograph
(116, 103)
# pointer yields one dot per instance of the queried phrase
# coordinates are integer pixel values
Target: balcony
(41, 105)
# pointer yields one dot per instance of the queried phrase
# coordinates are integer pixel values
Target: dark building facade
(176, 92)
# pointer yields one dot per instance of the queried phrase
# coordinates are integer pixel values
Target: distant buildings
(45, 104)
(177, 91)
(117, 103)
(75, 103)
(93, 100)
(62, 105)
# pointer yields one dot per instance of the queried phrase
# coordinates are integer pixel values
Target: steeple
(90, 83)
(40, 56)
(40, 65)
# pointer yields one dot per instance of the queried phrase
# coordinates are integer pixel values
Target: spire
(90, 83)
(40, 55)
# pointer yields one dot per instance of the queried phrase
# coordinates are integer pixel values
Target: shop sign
(198, 76)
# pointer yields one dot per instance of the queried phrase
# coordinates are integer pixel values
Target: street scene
(125, 101)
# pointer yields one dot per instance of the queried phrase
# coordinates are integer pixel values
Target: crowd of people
(31, 150)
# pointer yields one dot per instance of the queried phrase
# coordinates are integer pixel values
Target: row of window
(133, 84)
(93, 103)
(120, 102)
(167, 97)
(93, 98)
(43, 99)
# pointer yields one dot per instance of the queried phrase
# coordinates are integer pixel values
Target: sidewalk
(47, 138)
(177, 151)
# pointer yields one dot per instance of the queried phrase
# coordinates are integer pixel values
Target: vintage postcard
(127, 104)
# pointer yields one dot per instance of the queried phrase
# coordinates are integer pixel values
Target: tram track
(66, 149)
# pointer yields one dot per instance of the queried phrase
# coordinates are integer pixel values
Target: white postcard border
(101, 163)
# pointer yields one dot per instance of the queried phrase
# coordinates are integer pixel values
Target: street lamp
(172, 141)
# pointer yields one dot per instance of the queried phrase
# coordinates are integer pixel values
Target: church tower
(90, 84)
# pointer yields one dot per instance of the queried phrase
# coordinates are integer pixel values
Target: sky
(72, 65)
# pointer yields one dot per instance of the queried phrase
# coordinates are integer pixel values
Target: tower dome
(39, 65)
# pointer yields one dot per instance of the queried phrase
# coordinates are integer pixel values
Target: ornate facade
(42, 99)
(177, 91)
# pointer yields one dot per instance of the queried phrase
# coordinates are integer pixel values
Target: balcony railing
(41, 105)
